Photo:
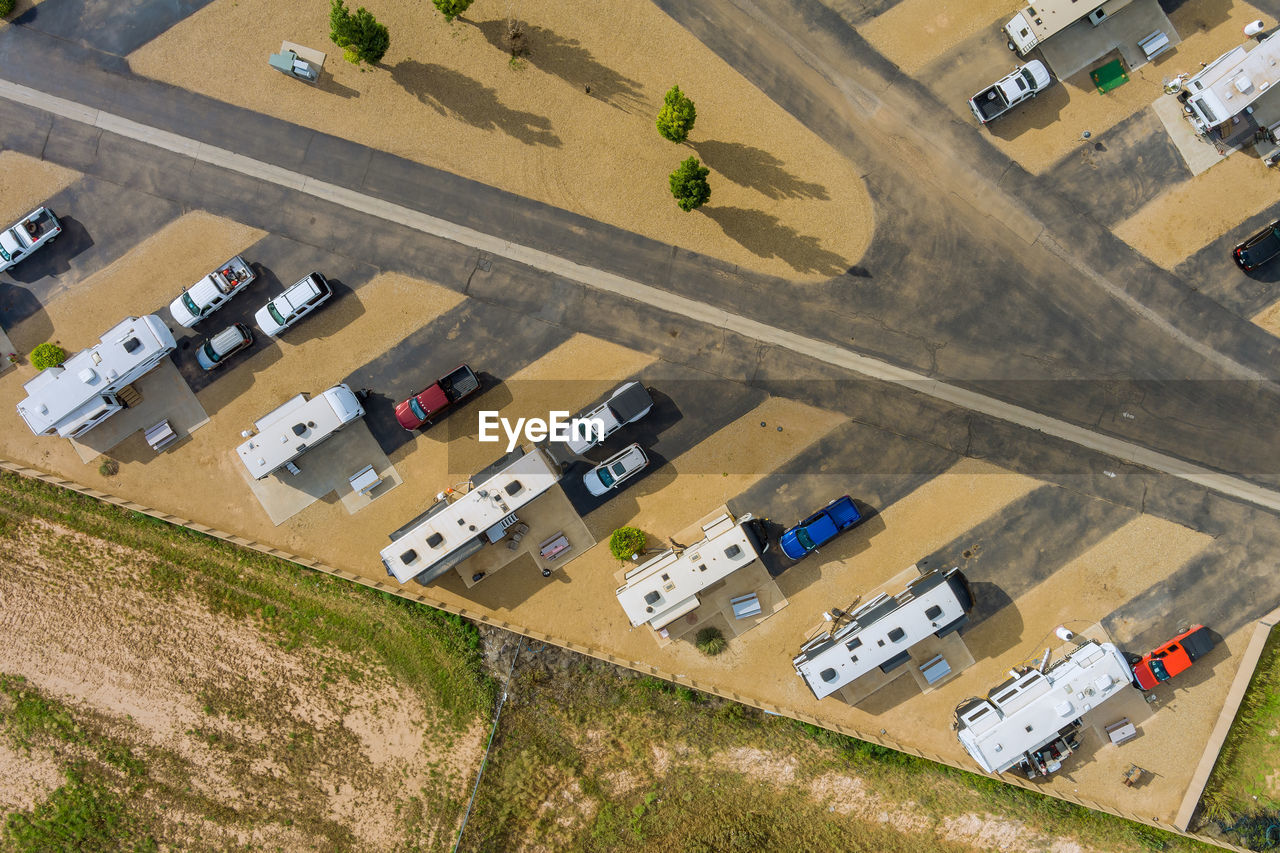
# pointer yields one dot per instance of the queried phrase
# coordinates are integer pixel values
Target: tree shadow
(756, 168)
(458, 96)
(567, 59)
(763, 235)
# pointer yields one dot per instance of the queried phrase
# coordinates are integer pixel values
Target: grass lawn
(1242, 796)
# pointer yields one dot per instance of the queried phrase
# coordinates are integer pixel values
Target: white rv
(292, 429)
(73, 398)
(880, 634)
(1039, 21)
(1032, 721)
(450, 532)
(663, 589)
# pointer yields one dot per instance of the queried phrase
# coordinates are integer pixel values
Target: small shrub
(677, 115)
(689, 184)
(710, 641)
(358, 33)
(6, 7)
(451, 8)
(626, 541)
(47, 354)
(109, 468)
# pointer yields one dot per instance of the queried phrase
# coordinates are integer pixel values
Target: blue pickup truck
(820, 528)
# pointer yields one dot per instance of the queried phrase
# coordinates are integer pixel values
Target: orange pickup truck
(1172, 658)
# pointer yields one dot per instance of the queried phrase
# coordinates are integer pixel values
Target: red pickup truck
(1173, 657)
(421, 408)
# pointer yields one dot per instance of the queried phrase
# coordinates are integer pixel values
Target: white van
(211, 292)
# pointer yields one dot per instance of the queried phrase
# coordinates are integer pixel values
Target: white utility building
(880, 634)
(297, 426)
(1031, 721)
(450, 532)
(663, 589)
(73, 398)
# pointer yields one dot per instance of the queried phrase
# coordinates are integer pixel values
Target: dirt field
(26, 182)
(247, 739)
(571, 125)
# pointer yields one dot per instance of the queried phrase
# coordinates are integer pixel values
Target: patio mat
(1109, 76)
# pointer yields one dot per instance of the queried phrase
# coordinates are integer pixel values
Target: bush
(710, 641)
(359, 34)
(625, 542)
(109, 468)
(6, 6)
(677, 115)
(47, 355)
(689, 184)
(452, 8)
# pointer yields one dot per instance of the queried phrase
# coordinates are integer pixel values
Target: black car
(1259, 248)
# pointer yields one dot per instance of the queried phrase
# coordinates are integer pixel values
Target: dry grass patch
(25, 183)
(571, 125)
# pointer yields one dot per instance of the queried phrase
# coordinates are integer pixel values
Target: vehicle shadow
(756, 168)
(567, 59)
(1037, 114)
(765, 236)
(458, 96)
(54, 258)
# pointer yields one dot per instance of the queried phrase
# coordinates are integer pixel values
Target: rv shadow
(995, 624)
(22, 315)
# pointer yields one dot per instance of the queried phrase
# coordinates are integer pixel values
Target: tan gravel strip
(660, 299)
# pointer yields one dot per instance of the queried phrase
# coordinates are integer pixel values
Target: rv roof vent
(132, 345)
(732, 552)
(408, 556)
(435, 539)
(828, 674)
(1243, 84)
(88, 376)
(933, 612)
(513, 488)
(897, 634)
(652, 597)
(299, 429)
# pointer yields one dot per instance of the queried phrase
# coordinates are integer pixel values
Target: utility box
(298, 62)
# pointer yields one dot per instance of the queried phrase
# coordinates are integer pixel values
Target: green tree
(6, 6)
(626, 541)
(710, 641)
(676, 117)
(689, 184)
(47, 355)
(451, 8)
(358, 33)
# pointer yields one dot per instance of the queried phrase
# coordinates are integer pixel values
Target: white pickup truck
(211, 292)
(26, 235)
(1021, 84)
(627, 404)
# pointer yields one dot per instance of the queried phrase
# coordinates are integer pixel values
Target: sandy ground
(26, 777)
(26, 182)
(153, 272)
(915, 32)
(1187, 217)
(84, 632)
(782, 201)
(1269, 318)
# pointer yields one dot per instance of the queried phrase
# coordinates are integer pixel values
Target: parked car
(820, 528)
(1021, 84)
(216, 350)
(1259, 248)
(212, 292)
(627, 404)
(1173, 657)
(423, 406)
(26, 235)
(294, 304)
(608, 474)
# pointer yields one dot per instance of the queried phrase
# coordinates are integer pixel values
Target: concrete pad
(1081, 45)
(324, 469)
(1197, 152)
(547, 516)
(165, 396)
